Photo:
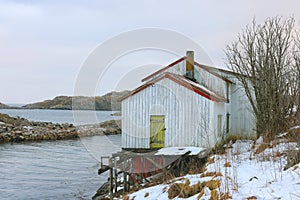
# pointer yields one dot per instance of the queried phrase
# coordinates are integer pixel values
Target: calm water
(61, 116)
(53, 170)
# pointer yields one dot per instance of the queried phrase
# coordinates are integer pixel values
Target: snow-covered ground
(242, 173)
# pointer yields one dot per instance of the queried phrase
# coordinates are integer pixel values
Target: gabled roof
(204, 67)
(209, 69)
(181, 80)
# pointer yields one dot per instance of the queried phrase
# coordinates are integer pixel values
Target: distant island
(109, 101)
(3, 106)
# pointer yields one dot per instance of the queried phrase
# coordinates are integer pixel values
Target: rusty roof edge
(145, 85)
(179, 78)
(164, 68)
(202, 88)
(205, 67)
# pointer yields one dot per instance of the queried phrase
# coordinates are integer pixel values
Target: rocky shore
(15, 129)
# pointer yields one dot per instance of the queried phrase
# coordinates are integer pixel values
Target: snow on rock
(259, 141)
(295, 127)
(244, 174)
(179, 150)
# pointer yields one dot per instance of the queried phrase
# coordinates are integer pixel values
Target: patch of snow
(282, 134)
(241, 146)
(179, 150)
(158, 192)
(295, 108)
(259, 141)
(28, 127)
(295, 127)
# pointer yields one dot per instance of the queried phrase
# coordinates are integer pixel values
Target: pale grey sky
(44, 43)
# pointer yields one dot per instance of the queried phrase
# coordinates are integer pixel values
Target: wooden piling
(111, 183)
(125, 182)
(116, 180)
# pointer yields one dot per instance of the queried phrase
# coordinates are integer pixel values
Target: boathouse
(172, 120)
(185, 104)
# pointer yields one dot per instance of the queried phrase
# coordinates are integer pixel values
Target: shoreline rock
(116, 114)
(16, 129)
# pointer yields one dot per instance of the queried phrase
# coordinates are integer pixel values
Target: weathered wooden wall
(190, 119)
(187, 116)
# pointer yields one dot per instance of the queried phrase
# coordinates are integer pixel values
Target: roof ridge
(181, 80)
(204, 67)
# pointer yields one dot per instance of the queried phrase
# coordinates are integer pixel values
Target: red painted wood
(163, 69)
(179, 80)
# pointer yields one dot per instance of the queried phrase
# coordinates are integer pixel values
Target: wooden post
(164, 168)
(125, 182)
(143, 168)
(116, 180)
(111, 183)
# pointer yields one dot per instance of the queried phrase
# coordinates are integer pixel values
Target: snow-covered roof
(174, 151)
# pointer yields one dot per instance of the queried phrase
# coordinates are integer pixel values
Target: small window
(227, 122)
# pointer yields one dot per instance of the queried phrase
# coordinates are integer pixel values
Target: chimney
(190, 65)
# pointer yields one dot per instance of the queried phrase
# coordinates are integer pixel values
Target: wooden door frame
(158, 145)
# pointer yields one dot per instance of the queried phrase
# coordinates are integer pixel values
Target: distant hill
(3, 105)
(109, 101)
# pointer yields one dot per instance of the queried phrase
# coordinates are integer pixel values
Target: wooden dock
(139, 164)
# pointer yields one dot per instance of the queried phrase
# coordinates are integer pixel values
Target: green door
(157, 131)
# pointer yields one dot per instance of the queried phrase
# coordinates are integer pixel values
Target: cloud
(12, 11)
(43, 43)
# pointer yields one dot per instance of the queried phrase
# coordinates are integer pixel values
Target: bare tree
(263, 56)
(297, 79)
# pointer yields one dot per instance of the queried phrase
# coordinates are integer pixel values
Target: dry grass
(227, 164)
(214, 195)
(225, 196)
(204, 168)
(200, 194)
(213, 174)
(212, 184)
(295, 167)
(126, 197)
(293, 135)
(211, 160)
(175, 190)
(189, 191)
(262, 147)
(252, 198)
(184, 190)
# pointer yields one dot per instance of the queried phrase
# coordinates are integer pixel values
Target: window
(227, 122)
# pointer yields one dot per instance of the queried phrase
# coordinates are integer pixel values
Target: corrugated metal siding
(190, 119)
(242, 118)
(187, 116)
(205, 78)
(179, 68)
(210, 81)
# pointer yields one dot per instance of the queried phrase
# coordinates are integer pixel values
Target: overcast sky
(44, 43)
